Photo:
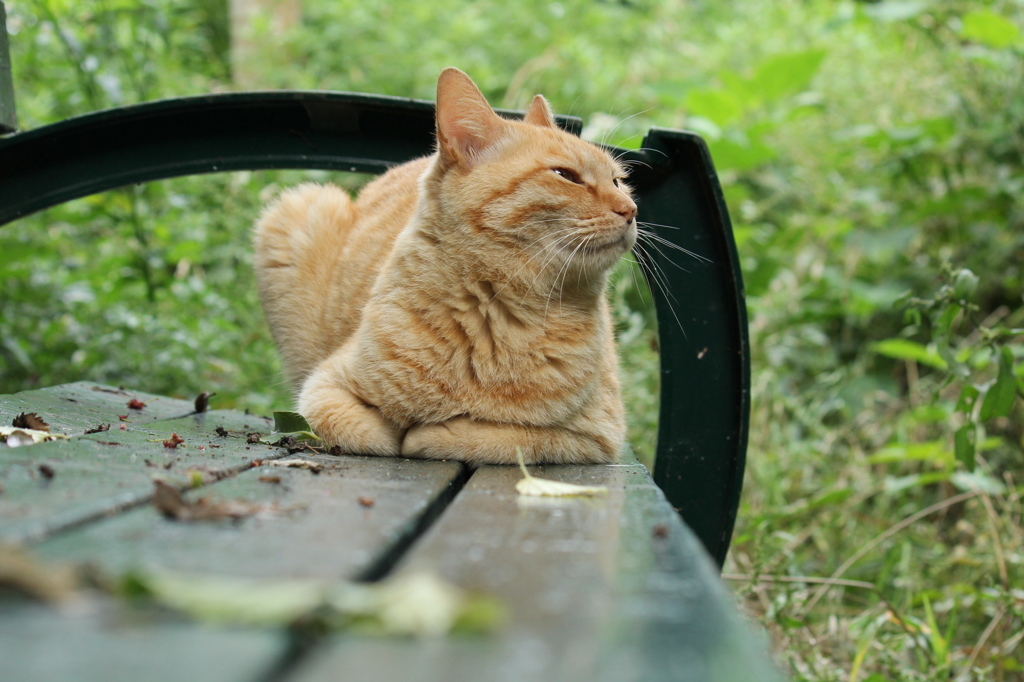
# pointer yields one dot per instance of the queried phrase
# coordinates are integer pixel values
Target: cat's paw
(360, 432)
(341, 419)
(435, 441)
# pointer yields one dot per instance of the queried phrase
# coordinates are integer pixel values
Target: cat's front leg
(483, 442)
(341, 418)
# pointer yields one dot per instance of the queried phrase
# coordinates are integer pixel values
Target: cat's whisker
(661, 253)
(644, 224)
(616, 126)
(620, 121)
(604, 137)
(587, 239)
(651, 149)
(650, 271)
(563, 272)
(632, 271)
(654, 242)
(667, 227)
(641, 229)
(557, 243)
(657, 272)
(632, 162)
(538, 253)
(573, 105)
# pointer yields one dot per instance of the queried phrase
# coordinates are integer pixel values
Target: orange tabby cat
(457, 309)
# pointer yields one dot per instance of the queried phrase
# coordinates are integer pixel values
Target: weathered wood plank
(609, 588)
(100, 643)
(72, 409)
(99, 474)
(342, 523)
(338, 524)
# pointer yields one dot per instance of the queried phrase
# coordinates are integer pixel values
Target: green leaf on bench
(294, 424)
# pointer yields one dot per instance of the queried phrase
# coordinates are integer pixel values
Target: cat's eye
(568, 174)
(617, 182)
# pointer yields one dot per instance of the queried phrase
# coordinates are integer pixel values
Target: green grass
(872, 157)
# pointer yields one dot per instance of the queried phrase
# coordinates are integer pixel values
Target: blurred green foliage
(872, 156)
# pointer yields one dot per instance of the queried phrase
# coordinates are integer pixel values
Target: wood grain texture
(96, 475)
(322, 527)
(101, 643)
(341, 523)
(72, 409)
(608, 588)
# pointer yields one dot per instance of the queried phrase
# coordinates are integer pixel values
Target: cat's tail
(298, 240)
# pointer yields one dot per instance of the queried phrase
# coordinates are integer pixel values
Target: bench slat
(105, 472)
(89, 645)
(320, 530)
(72, 409)
(608, 588)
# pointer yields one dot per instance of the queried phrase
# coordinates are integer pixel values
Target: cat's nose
(626, 210)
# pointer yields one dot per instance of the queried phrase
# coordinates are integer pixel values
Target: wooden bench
(613, 587)
(617, 587)
(702, 324)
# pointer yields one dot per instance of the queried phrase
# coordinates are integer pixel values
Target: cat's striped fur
(457, 309)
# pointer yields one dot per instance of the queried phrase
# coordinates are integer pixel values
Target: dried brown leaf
(174, 441)
(30, 420)
(169, 502)
(203, 401)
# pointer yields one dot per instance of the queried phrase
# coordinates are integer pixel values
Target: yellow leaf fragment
(22, 572)
(294, 463)
(417, 605)
(15, 436)
(542, 487)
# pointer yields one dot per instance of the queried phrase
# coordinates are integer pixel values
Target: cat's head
(548, 198)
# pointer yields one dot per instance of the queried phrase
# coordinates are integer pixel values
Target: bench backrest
(702, 433)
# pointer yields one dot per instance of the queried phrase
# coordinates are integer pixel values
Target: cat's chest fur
(450, 343)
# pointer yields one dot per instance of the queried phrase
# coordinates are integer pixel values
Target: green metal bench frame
(705, 359)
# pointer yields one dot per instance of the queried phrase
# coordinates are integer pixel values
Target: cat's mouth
(619, 242)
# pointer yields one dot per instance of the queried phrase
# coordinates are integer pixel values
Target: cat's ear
(466, 124)
(539, 113)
